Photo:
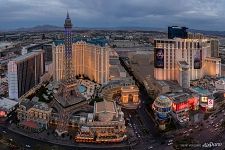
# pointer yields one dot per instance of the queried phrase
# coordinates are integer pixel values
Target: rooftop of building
(179, 97)
(105, 106)
(213, 58)
(27, 56)
(7, 104)
(180, 39)
(129, 88)
(201, 91)
(96, 41)
(34, 104)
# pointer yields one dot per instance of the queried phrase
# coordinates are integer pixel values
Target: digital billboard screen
(159, 58)
(198, 59)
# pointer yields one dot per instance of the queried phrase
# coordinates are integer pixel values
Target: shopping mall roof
(96, 41)
(179, 97)
(7, 104)
(201, 91)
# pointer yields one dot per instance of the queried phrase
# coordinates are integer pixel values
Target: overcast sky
(197, 14)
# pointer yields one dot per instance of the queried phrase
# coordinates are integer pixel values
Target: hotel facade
(87, 59)
(184, 60)
(25, 72)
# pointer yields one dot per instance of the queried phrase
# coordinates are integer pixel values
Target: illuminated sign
(210, 103)
(159, 58)
(2, 114)
(204, 99)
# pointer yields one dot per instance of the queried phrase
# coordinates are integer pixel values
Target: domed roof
(163, 101)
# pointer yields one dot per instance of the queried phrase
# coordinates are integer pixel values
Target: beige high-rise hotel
(88, 59)
(184, 60)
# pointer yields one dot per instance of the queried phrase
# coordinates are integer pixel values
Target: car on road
(185, 132)
(196, 127)
(170, 144)
(216, 125)
(190, 130)
(4, 131)
(170, 141)
(28, 146)
(150, 147)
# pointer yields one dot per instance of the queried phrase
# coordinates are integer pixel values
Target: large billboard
(159, 58)
(198, 59)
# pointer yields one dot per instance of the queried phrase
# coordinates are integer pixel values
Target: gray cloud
(200, 14)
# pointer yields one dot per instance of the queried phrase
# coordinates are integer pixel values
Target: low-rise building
(130, 97)
(107, 124)
(6, 106)
(33, 111)
(220, 84)
(182, 103)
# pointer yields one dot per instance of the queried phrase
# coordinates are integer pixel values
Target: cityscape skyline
(201, 14)
(103, 74)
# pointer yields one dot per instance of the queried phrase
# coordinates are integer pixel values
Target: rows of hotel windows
(26, 77)
(171, 54)
(90, 60)
(29, 73)
(179, 45)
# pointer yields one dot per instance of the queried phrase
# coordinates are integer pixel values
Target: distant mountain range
(45, 28)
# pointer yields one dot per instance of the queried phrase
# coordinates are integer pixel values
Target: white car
(150, 147)
(170, 144)
(28, 146)
(4, 131)
(196, 127)
(170, 141)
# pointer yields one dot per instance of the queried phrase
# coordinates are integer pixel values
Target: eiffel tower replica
(68, 93)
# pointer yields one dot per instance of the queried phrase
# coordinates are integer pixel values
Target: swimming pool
(82, 88)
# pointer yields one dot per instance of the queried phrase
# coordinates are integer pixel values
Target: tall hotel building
(184, 59)
(88, 58)
(24, 72)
